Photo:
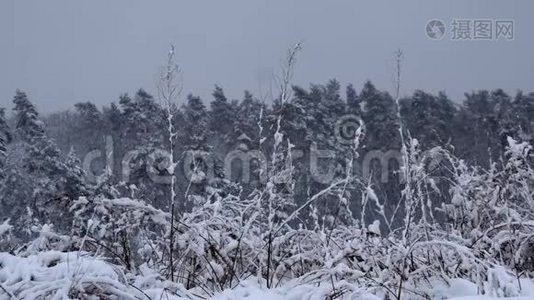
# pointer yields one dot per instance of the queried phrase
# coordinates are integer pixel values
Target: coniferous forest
(325, 191)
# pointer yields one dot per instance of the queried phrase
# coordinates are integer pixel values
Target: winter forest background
(126, 173)
(320, 192)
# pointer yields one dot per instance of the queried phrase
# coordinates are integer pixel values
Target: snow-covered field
(57, 275)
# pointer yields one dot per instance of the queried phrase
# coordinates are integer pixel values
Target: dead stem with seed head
(169, 91)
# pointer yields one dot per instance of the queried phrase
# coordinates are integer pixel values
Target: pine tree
(504, 118)
(484, 122)
(307, 117)
(428, 118)
(29, 127)
(248, 117)
(353, 101)
(380, 117)
(43, 167)
(523, 107)
(332, 109)
(15, 198)
(5, 138)
(63, 127)
(42, 153)
(140, 126)
(74, 178)
(142, 120)
(332, 99)
(222, 116)
(196, 124)
(89, 127)
(89, 113)
(381, 134)
(112, 117)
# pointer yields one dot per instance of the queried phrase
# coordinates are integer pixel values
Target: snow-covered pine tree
(484, 122)
(89, 127)
(353, 101)
(14, 190)
(43, 157)
(29, 127)
(142, 120)
(74, 178)
(221, 115)
(247, 118)
(5, 138)
(43, 167)
(141, 130)
(524, 110)
(428, 118)
(196, 124)
(380, 117)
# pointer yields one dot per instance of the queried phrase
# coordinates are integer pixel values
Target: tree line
(41, 156)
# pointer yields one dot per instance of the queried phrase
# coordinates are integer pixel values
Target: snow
(5, 227)
(461, 289)
(54, 274)
(251, 291)
(67, 275)
(489, 298)
(375, 227)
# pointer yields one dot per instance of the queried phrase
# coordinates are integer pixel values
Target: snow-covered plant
(276, 198)
(75, 275)
(169, 89)
(5, 235)
(129, 231)
(217, 242)
(47, 238)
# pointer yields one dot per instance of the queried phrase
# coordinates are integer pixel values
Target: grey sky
(63, 52)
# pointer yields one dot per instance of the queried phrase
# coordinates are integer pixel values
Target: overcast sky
(63, 52)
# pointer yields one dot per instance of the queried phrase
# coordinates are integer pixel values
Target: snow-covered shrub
(216, 241)
(47, 238)
(5, 236)
(56, 275)
(127, 230)
(78, 275)
(493, 209)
